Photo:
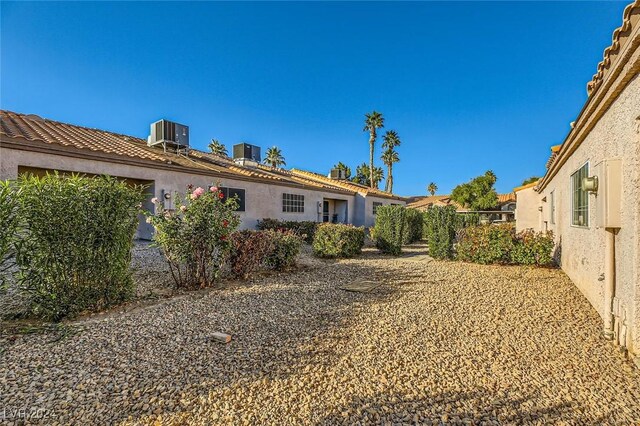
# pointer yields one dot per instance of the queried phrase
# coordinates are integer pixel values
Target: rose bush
(195, 237)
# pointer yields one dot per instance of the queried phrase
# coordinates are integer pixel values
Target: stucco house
(590, 194)
(31, 144)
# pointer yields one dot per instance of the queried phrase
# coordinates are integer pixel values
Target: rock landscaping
(437, 342)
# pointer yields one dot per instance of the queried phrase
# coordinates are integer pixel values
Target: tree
(530, 180)
(274, 157)
(373, 121)
(432, 188)
(390, 155)
(478, 193)
(216, 147)
(363, 175)
(342, 166)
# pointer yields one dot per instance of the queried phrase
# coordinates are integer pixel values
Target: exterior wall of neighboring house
(263, 200)
(527, 214)
(614, 136)
(369, 200)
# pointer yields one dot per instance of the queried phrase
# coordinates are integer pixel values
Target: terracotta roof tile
(348, 185)
(630, 16)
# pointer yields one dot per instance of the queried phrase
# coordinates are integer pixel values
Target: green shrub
(413, 227)
(389, 229)
(440, 229)
(285, 249)
(305, 229)
(76, 237)
(486, 244)
(249, 251)
(9, 219)
(195, 237)
(533, 248)
(337, 240)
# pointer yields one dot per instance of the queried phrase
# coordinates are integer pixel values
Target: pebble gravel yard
(435, 343)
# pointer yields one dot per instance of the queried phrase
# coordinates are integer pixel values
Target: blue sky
(468, 86)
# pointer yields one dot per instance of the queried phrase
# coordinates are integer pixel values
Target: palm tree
(342, 166)
(373, 121)
(432, 188)
(216, 147)
(363, 175)
(389, 157)
(390, 140)
(274, 157)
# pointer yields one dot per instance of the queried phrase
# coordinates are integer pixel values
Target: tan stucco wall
(262, 200)
(583, 249)
(527, 214)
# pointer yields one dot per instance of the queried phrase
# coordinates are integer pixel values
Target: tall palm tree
(432, 188)
(389, 156)
(342, 166)
(216, 147)
(390, 140)
(373, 121)
(274, 157)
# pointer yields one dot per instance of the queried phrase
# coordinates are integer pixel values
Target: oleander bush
(9, 220)
(389, 229)
(440, 231)
(195, 237)
(501, 244)
(305, 228)
(338, 240)
(285, 249)
(533, 248)
(249, 251)
(414, 222)
(74, 241)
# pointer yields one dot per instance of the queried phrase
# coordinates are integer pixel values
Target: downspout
(609, 282)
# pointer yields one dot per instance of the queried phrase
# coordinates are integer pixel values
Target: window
(375, 207)
(292, 203)
(579, 198)
(235, 192)
(552, 206)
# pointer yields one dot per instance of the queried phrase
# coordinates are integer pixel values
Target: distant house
(590, 194)
(502, 212)
(31, 144)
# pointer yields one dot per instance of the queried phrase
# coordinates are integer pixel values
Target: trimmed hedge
(9, 220)
(440, 229)
(337, 240)
(488, 244)
(285, 249)
(75, 241)
(390, 229)
(414, 222)
(305, 229)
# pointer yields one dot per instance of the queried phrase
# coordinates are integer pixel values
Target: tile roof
(28, 127)
(630, 17)
(529, 185)
(348, 185)
(445, 200)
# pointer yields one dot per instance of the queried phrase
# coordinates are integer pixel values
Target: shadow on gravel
(275, 334)
(452, 407)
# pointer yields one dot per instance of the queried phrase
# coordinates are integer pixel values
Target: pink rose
(197, 192)
(213, 189)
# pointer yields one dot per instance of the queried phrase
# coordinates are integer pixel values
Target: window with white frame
(579, 197)
(292, 203)
(552, 206)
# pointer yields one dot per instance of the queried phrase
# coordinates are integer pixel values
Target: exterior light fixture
(590, 184)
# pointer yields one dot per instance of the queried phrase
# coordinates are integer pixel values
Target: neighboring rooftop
(28, 131)
(445, 200)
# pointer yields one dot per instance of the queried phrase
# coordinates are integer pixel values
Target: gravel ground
(437, 342)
